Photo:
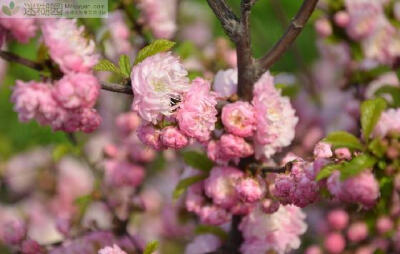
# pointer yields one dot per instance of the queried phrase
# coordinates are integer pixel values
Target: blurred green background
(267, 28)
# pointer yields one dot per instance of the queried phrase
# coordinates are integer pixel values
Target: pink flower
(357, 232)
(249, 190)
(323, 150)
(342, 19)
(364, 16)
(334, 243)
(112, 250)
(275, 118)
(123, 173)
(22, 29)
(31, 247)
(171, 137)
(90, 120)
(67, 45)
(214, 215)
(299, 187)
(231, 147)
(384, 224)
(13, 232)
(150, 136)
(194, 198)
(160, 16)
(197, 114)
(313, 249)
(338, 219)
(203, 244)
(323, 27)
(220, 186)
(363, 188)
(226, 82)
(343, 153)
(77, 90)
(120, 35)
(389, 121)
(158, 83)
(277, 232)
(238, 118)
(127, 123)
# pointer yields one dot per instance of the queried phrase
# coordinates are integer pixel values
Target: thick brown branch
(11, 57)
(228, 19)
(294, 29)
(117, 88)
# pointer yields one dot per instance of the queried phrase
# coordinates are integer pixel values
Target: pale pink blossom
(112, 250)
(150, 136)
(226, 82)
(214, 215)
(322, 150)
(67, 45)
(194, 198)
(362, 189)
(231, 146)
(384, 224)
(323, 27)
(127, 123)
(160, 15)
(22, 29)
(338, 219)
(334, 243)
(342, 19)
(277, 232)
(249, 189)
(275, 118)
(357, 232)
(203, 244)
(389, 122)
(238, 118)
(197, 114)
(171, 137)
(123, 173)
(90, 120)
(120, 35)
(220, 186)
(77, 90)
(158, 83)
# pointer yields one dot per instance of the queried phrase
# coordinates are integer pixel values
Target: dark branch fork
(238, 30)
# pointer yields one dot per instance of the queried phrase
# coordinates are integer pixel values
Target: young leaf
(377, 148)
(185, 183)
(343, 139)
(208, 229)
(154, 48)
(197, 160)
(356, 165)
(151, 247)
(370, 113)
(125, 65)
(106, 65)
(393, 91)
(327, 171)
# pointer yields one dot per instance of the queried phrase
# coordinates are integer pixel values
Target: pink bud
(384, 224)
(342, 18)
(323, 27)
(357, 231)
(249, 190)
(343, 153)
(338, 219)
(313, 249)
(334, 243)
(171, 137)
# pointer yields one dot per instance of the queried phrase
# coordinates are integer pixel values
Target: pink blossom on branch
(226, 82)
(197, 114)
(22, 29)
(67, 45)
(275, 118)
(158, 83)
(239, 119)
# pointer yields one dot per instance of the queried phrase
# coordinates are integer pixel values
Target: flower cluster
(21, 29)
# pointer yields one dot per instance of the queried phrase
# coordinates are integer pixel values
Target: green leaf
(151, 247)
(370, 113)
(107, 65)
(197, 160)
(154, 48)
(6, 10)
(356, 166)
(185, 183)
(393, 91)
(377, 148)
(12, 5)
(343, 139)
(207, 229)
(125, 65)
(83, 203)
(327, 171)
(63, 149)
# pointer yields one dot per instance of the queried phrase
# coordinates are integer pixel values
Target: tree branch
(292, 32)
(117, 88)
(230, 22)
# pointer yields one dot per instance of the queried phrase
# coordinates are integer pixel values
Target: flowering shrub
(174, 141)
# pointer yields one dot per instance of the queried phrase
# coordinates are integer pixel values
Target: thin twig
(229, 21)
(292, 32)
